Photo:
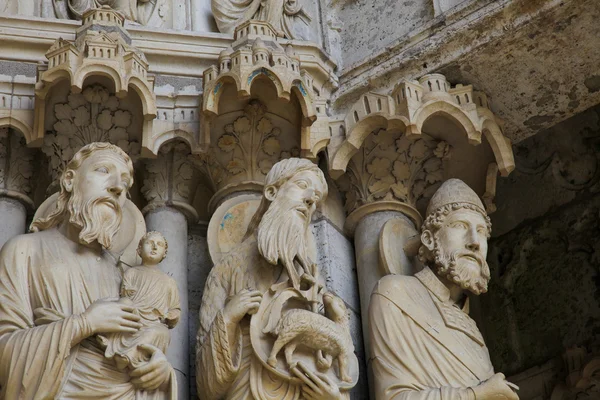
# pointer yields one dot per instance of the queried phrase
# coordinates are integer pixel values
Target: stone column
(16, 170)
(173, 225)
(14, 216)
(168, 187)
(369, 260)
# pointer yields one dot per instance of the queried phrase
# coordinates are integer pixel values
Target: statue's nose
(116, 190)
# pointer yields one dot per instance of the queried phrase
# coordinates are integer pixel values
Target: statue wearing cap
(423, 344)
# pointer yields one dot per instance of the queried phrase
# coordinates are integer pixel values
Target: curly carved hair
(435, 220)
(146, 236)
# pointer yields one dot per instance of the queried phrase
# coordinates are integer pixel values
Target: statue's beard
(452, 268)
(283, 234)
(96, 219)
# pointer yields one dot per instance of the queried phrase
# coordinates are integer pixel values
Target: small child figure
(155, 296)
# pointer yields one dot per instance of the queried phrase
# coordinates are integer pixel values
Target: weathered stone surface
(553, 169)
(545, 258)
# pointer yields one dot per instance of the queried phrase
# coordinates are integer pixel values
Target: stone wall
(545, 256)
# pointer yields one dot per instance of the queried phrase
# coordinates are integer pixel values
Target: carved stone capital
(392, 172)
(168, 180)
(16, 167)
(398, 148)
(257, 52)
(102, 47)
(243, 152)
(95, 115)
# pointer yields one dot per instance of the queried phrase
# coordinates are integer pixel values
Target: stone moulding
(407, 109)
(256, 52)
(383, 161)
(102, 47)
(16, 104)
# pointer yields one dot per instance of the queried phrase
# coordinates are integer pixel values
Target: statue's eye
(459, 225)
(302, 184)
(102, 170)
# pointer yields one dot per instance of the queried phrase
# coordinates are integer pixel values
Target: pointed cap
(454, 191)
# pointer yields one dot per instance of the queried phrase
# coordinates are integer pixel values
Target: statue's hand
(155, 373)
(244, 302)
(495, 388)
(111, 316)
(316, 386)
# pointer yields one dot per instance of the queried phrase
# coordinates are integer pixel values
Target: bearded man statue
(274, 251)
(59, 287)
(423, 343)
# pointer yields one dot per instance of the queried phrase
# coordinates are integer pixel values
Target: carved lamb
(329, 333)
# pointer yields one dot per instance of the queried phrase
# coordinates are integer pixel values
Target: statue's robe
(281, 14)
(423, 347)
(134, 10)
(228, 370)
(46, 352)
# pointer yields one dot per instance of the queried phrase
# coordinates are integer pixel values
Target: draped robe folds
(279, 13)
(229, 370)
(134, 10)
(46, 352)
(422, 346)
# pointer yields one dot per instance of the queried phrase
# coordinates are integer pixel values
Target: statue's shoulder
(392, 283)
(26, 241)
(406, 292)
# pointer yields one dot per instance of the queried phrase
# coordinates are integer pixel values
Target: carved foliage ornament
(90, 116)
(16, 162)
(172, 167)
(246, 149)
(391, 167)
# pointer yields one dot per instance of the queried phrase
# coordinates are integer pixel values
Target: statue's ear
(427, 239)
(67, 179)
(270, 192)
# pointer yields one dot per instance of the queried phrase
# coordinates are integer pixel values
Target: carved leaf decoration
(276, 131)
(76, 100)
(122, 118)
(400, 191)
(112, 103)
(402, 145)
(227, 143)
(271, 146)
(63, 111)
(384, 139)
(104, 120)
(96, 94)
(118, 134)
(81, 116)
(242, 125)
(65, 126)
(265, 165)
(381, 187)
(401, 170)
(379, 167)
(235, 166)
(418, 149)
(264, 126)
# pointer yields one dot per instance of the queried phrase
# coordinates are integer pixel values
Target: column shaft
(173, 225)
(14, 218)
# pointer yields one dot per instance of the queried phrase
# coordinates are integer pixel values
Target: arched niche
(465, 161)
(72, 120)
(248, 136)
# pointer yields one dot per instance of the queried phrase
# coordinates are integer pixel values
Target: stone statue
(138, 11)
(270, 276)
(287, 17)
(59, 288)
(155, 298)
(423, 343)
